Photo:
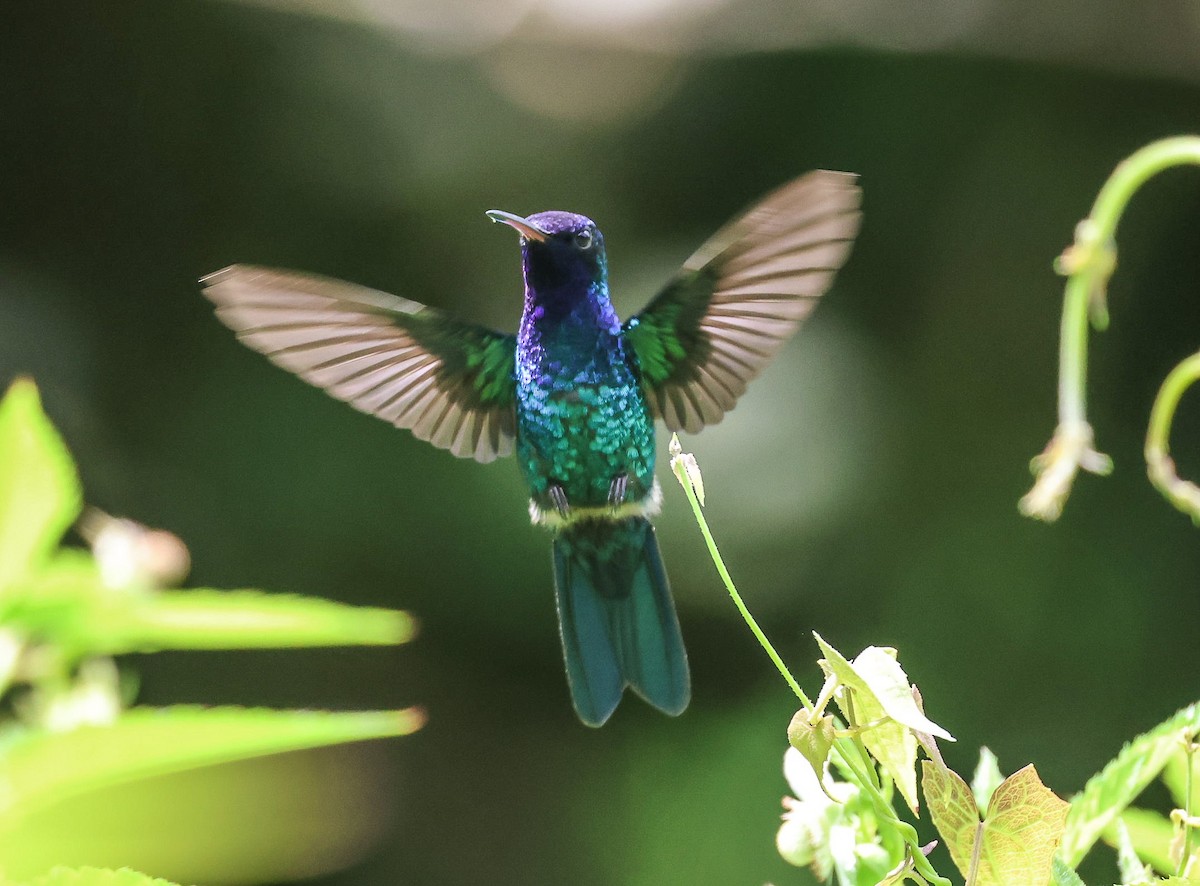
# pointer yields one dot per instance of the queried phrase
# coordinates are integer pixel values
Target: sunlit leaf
(1017, 837)
(84, 617)
(40, 495)
(1107, 794)
(986, 779)
(1021, 832)
(38, 768)
(953, 810)
(883, 696)
(887, 681)
(96, 877)
(812, 740)
(275, 819)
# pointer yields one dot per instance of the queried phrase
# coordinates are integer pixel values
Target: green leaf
(953, 810)
(886, 680)
(40, 495)
(812, 740)
(85, 617)
(275, 819)
(38, 768)
(987, 778)
(1063, 875)
(1017, 837)
(1021, 831)
(882, 695)
(96, 877)
(1109, 792)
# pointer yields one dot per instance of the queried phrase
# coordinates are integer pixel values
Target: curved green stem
(1088, 264)
(1159, 465)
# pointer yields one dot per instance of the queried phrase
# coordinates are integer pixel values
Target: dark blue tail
(617, 619)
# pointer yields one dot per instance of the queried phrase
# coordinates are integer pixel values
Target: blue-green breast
(582, 418)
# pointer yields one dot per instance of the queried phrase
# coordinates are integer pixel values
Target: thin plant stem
(1159, 465)
(1088, 264)
(733, 592)
(1189, 755)
(864, 777)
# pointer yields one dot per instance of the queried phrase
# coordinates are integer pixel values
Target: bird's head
(560, 250)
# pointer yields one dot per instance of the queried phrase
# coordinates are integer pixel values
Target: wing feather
(744, 293)
(449, 382)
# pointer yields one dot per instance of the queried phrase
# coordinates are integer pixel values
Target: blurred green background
(865, 487)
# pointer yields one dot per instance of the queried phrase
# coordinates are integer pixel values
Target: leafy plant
(70, 729)
(846, 768)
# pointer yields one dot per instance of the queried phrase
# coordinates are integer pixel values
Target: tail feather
(617, 619)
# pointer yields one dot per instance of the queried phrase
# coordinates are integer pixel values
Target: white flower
(815, 828)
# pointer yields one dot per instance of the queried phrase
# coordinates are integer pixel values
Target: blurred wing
(449, 382)
(721, 319)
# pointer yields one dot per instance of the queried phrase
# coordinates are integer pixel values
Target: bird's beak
(524, 226)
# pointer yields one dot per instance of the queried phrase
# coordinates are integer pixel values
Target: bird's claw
(558, 496)
(617, 489)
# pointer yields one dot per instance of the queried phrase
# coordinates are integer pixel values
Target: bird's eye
(583, 240)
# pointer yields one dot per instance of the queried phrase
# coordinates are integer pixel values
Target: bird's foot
(617, 489)
(558, 496)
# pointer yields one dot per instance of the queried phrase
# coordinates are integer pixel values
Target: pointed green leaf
(895, 747)
(1021, 832)
(40, 495)
(38, 768)
(276, 819)
(953, 810)
(1018, 836)
(84, 618)
(877, 672)
(1063, 875)
(883, 696)
(892, 744)
(1108, 793)
(883, 675)
(96, 877)
(986, 779)
(812, 740)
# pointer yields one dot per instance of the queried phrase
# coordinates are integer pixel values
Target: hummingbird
(575, 393)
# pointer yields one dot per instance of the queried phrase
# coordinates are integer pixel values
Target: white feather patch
(554, 519)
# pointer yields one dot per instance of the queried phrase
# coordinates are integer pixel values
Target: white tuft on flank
(647, 507)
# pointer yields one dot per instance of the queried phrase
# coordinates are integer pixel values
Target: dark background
(865, 487)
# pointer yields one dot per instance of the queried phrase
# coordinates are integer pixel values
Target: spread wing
(721, 319)
(449, 382)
